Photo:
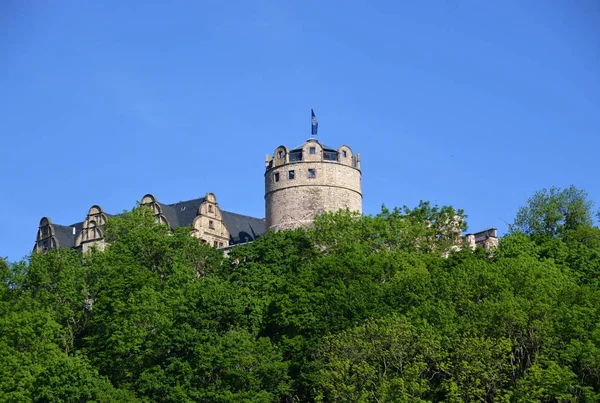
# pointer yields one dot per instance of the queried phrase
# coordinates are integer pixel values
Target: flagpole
(314, 123)
(311, 123)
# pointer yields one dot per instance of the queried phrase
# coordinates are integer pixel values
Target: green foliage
(553, 212)
(381, 308)
(33, 367)
(388, 359)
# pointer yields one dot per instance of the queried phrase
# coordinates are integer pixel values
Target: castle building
(488, 239)
(299, 184)
(202, 216)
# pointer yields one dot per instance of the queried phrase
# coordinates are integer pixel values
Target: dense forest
(357, 309)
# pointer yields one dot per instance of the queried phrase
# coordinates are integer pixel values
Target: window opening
(211, 224)
(291, 175)
(344, 153)
(330, 155)
(296, 155)
(312, 173)
(281, 154)
(276, 176)
(312, 150)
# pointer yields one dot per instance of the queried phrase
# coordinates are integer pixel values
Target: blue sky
(475, 104)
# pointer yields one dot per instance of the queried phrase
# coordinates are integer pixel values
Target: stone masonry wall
(290, 203)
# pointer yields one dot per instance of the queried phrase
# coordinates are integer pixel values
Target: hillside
(356, 309)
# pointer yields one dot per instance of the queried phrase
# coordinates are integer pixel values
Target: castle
(299, 184)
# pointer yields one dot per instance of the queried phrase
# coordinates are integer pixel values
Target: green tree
(366, 309)
(388, 359)
(553, 212)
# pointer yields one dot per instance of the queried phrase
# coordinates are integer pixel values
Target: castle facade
(202, 216)
(300, 183)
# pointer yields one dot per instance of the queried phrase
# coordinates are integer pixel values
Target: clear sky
(475, 104)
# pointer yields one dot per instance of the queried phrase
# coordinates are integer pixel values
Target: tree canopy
(554, 211)
(377, 308)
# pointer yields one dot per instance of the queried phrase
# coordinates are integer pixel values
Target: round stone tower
(309, 180)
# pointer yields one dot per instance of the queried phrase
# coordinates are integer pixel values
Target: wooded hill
(356, 309)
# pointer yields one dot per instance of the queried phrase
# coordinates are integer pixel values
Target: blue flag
(313, 122)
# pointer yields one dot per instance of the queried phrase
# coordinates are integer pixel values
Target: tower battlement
(309, 180)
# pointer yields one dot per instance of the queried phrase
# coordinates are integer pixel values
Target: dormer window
(296, 155)
(211, 224)
(210, 208)
(344, 153)
(312, 150)
(281, 154)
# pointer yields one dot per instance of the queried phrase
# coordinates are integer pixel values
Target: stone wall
(92, 232)
(318, 185)
(208, 224)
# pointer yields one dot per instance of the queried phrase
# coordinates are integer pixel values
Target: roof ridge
(61, 225)
(183, 201)
(241, 215)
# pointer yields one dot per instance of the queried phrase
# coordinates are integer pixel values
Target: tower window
(312, 150)
(210, 208)
(281, 154)
(296, 155)
(276, 176)
(312, 173)
(291, 175)
(344, 153)
(211, 224)
(216, 244)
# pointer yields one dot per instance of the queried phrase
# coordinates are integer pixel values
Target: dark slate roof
(64, 235)
(171, 215)
(184, 211)
(301, 146)
(78, 226)
(485, 234)
(243, 228)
